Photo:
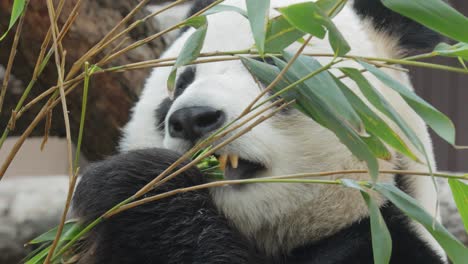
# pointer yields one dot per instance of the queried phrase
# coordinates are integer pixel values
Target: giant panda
(255, 223)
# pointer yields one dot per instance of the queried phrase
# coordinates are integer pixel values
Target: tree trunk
(110, 95)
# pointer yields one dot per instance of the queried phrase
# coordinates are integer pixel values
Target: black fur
(412, 35)
(183, 81)
(161, 113)
(198, 5)
(185, 228)
(353, 245)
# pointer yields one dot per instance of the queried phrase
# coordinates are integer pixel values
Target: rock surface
(29, 206)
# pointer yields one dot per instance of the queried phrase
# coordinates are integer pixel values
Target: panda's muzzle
(236, 168)
(193, 123)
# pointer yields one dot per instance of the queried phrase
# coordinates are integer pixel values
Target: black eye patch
(184, 80)
(161, 113)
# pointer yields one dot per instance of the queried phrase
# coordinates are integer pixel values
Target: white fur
(279, 216)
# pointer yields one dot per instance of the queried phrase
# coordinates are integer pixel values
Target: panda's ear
(412, 36)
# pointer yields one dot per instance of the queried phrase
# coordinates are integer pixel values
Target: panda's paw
(106, 183)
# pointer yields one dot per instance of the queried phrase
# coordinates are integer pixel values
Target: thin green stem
(422, 56)
(83, 114)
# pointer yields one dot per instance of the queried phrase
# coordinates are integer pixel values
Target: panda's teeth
(234, 159)
(222, 161)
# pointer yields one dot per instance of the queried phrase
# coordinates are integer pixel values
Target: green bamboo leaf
(16, 11)
(40, 257)
(381, 104)
(458, 50)
(434, 14)
(258, 12)
(312, 106)
(70, 229)
(456, 251)
(381, 238)
(306, 17)
(310, 18)
(460, 195)
(374, 124)
(280, 34)
(36, 252)
(325, 87)
(352, 184)
(224, 8)
(331, 7)
(377, 147)
(191, 49)
(195, 22)
(439, 122)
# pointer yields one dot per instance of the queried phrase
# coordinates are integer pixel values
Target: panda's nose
(192, 123)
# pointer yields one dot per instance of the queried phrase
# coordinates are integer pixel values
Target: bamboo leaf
(456, 251)
(191, 49)
(381, 104)
(331, 7)
(313, 106)
(306, 17)
(458, 50)
(39, 258)
(325, 114)
(70, 229)
(381, 238)
(36, 252)
(460, 195)
(16, 11)
(439, 122)
(195, 22)
(224, 8)
(325, 87)
(377, 147)
(280, 34)
(375, 126)
(310, 18)
(434, 14)
(258, 12)
(352, 184)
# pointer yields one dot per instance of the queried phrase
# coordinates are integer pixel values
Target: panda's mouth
(236, 168)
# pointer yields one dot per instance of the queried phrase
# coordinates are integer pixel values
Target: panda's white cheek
(176, 144)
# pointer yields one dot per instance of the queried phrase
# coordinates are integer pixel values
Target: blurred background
(448, 92)
(35, 183)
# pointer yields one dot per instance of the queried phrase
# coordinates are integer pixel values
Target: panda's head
(210, 95)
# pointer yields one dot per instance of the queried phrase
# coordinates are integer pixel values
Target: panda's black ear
(411, 35)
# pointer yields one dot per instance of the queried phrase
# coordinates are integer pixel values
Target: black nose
(192, 123)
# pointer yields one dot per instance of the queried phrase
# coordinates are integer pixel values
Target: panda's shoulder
(353, 244)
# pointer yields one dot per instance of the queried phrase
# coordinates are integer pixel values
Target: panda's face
(209, 96)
